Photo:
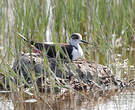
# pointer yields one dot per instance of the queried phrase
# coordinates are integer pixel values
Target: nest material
(80, 74)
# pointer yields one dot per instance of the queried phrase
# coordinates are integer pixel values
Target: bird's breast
(77, 53)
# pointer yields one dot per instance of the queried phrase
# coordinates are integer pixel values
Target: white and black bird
(72, 50)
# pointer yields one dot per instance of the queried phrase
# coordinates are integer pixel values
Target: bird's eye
(75, 36)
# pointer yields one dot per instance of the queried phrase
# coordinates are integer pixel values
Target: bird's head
(76, 38)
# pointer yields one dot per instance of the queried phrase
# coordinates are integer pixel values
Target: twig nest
(80, 72)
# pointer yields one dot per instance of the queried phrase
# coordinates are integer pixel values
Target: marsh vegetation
(109, 25)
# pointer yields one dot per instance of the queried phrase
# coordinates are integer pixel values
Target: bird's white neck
(77, 52)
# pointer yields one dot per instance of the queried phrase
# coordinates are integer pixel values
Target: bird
(72, 50)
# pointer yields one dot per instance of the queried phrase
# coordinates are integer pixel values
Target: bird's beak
(83, 41)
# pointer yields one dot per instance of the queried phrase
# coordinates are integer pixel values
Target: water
(6, 105)
(125, 101)
(73, 101)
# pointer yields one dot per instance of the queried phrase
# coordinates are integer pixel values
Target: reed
(108, 24)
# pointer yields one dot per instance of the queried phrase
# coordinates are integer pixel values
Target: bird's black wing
(48, 48)
(51, 50)
(68, 51)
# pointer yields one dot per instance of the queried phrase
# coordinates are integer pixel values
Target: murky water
(75, 101)
(124, 101)
(6, 105)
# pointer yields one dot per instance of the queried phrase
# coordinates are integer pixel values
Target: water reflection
(6, 105)
(100, 100)
(124, 101)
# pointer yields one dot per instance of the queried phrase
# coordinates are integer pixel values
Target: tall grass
(101, 22)
(98, 20)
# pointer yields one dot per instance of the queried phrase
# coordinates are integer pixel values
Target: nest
(79, 75)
